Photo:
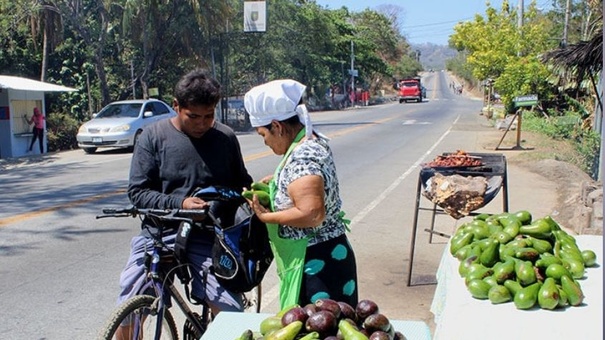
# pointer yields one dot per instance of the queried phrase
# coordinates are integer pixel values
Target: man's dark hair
(197, 88)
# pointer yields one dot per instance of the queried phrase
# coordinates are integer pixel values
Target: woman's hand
(259, 210)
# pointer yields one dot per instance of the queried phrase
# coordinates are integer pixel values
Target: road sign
(528, 100)
(354, 73)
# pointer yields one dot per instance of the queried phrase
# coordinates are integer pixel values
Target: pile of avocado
(326, 319)
(510, 257)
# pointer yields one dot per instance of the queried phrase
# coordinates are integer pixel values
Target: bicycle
(148, 313)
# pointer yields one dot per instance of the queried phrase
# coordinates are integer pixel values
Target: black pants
(38, 134)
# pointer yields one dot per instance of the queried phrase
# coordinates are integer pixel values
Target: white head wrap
(277, 100)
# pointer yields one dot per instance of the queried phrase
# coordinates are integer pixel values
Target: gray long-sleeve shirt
(167, 165)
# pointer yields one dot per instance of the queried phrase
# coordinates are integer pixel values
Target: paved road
(59, 266)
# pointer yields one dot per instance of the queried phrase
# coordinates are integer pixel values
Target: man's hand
(191, 203)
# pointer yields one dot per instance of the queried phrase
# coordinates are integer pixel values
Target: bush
(61, 132)
(568, 127)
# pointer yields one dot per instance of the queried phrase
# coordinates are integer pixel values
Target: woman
(38, 121)
(313, 255)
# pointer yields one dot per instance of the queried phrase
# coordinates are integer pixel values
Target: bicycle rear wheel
(138, 315)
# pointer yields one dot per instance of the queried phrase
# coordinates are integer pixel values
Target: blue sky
(428, 20)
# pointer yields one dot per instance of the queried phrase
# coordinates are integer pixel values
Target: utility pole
(566, 25)
(352, 72)
(521, 9)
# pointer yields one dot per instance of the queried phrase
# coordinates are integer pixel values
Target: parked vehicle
(119, 124)
(411, 89)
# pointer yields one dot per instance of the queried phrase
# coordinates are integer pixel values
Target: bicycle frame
(158, 287)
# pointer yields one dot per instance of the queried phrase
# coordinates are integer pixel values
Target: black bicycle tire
(126, 308)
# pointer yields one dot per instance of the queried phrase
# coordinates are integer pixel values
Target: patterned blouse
(311, 157)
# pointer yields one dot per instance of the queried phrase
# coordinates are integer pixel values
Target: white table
(460, 316)
(230, 325)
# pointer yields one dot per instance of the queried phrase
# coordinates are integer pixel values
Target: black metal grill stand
(493, 168)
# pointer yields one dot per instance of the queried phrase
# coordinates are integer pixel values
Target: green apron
(289, 254)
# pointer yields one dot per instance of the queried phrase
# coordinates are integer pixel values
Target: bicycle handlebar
(162, 214)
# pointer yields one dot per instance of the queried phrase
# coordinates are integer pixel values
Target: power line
(438, 23)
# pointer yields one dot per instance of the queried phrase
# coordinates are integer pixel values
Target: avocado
(329, 305)
(376, 322)
(365, 308)
(323, 322)
(294, 314)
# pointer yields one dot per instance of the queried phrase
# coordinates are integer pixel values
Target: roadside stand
(505, 275)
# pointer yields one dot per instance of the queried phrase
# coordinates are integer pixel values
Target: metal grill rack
(493, 168)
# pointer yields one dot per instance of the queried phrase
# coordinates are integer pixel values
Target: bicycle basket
(241, 253)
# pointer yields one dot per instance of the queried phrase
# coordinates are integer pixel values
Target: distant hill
(434, 56)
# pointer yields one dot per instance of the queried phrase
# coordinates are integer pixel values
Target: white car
(119, 124)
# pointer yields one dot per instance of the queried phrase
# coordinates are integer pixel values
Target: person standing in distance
(306, 227)
(171, 159)
(38, 120)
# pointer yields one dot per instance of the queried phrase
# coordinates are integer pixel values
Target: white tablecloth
(460, 316)
(230, 325)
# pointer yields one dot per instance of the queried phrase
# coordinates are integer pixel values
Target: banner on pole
(255, 16)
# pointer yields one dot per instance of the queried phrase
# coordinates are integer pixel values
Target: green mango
(504, 271)
(538, 229)
(553, 224)
(465, 264)
(513, 286)
(260, 186)
(527, 297)
(349, 332)
(502, 237)
(523, 216)
(478, 288)
(483, 243)
(491, 280)
(562, 297)
(524, 271)
(479, 230)
(542, 246)
(548, 295)
(572, 288)
(311, 336)
(589, 257)
(458, 242)
(494, 228)
(498, 294)
(482, 216)
(556, 271)
(288, 332)
(519, 243)
(270, 324)
(527, 254)
(463, 252)
(477, 271)
(263, 197)
(491, 255)
(546, 259)
(575, 267)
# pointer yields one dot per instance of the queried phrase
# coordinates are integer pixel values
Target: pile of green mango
(511, 257)
(326, 319)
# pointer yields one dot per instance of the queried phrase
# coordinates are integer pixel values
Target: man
(170, 160)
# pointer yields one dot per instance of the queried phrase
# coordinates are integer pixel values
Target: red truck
(411, 89)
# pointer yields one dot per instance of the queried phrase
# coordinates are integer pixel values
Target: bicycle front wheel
(137, 318)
